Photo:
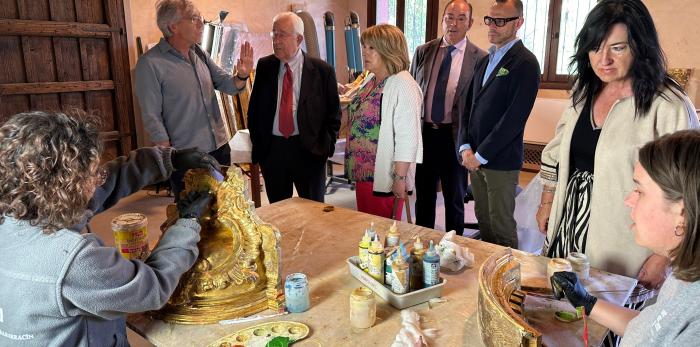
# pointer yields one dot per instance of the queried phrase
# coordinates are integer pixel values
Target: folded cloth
(453, 256)
(241, 147)
(411, 334)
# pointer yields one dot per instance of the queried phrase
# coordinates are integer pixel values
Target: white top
(400, 130)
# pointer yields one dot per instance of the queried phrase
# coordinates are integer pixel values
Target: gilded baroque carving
(500, 325)
(238, 270)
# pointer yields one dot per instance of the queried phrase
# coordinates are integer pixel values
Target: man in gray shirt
(175, 86)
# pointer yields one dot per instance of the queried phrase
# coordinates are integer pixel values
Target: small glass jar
(296, 293)
(363, 308)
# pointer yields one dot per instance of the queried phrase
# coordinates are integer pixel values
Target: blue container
(296, 293)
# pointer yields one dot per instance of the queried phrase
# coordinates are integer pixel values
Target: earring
(679, 226)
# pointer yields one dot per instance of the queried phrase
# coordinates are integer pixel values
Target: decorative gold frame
(237, 272)
(500, 304)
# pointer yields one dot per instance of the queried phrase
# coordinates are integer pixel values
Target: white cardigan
(399, 132)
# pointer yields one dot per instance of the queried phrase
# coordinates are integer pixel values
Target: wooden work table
(318, 243)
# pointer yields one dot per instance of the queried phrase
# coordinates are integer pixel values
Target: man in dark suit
(293, 115)
(444, 80)
(502, 94)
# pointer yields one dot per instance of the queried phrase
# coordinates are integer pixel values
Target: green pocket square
(502, 72)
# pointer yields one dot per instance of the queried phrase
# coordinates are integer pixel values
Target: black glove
(572, 288)
(194, 204)
(191, 158)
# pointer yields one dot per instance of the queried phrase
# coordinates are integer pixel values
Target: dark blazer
(422, 68)
(495, 122)
(318, 107)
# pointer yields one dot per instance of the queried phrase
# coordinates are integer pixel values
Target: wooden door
(64, 55)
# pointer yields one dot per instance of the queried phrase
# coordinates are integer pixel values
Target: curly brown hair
(47, 165)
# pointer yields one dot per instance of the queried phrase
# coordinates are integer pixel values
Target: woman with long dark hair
(622, 98)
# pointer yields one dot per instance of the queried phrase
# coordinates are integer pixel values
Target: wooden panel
(48, 28)
(94, 55)
(54, 87)
(8, 9)
(72, 101)
(44, 102)
(38, 59)
(67, 55)
(33, 9)
(90, 11)
(12, 104)
(101, 104)
(12, 66)
(121, 70)
(62, 10)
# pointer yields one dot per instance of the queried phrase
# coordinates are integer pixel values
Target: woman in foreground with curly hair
(60, 287)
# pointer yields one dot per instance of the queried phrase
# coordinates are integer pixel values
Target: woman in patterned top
(384, 141)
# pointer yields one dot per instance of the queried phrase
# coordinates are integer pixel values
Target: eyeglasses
(500, 22)
(280, 34)
(197, 20)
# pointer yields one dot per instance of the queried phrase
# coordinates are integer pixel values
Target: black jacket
(494, 124)
(318, 108)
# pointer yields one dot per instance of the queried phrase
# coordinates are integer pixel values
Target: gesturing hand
(244, 65)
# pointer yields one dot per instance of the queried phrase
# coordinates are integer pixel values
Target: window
(549, 31)
(416, 18)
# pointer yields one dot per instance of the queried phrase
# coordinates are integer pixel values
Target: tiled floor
(153, 204)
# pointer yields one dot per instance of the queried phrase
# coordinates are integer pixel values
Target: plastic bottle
(375, 265)
(401, 273)
(431, 267)
(372, 232)
(363, 248)
(417, 265)
(393, 237)
(388, 264)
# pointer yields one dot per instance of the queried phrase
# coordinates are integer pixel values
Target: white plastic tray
(399, 301)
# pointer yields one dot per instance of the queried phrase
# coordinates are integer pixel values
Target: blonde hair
(389, 42)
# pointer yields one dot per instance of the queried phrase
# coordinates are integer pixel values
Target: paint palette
(259, 335)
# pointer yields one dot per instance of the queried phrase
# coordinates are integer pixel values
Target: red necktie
(286, 116)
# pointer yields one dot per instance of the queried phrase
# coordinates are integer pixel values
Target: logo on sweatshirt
(1, 320)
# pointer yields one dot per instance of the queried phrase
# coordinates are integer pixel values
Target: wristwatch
(242, 78)
(397, 177)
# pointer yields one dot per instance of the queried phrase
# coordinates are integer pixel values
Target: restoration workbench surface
(318, 243)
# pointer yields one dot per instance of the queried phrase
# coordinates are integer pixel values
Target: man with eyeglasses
(293, 115)
(443, 68)
(502, 94)
(175, 86)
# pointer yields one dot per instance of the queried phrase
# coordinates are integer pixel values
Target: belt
(438, 125)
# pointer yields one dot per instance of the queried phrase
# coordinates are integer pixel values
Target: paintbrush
(585, 326)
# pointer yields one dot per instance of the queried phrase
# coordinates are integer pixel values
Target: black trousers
(440, 163)
(177, 179)
(288, 165)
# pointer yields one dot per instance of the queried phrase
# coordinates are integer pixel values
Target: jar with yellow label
(131, 235)
(363, 308)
